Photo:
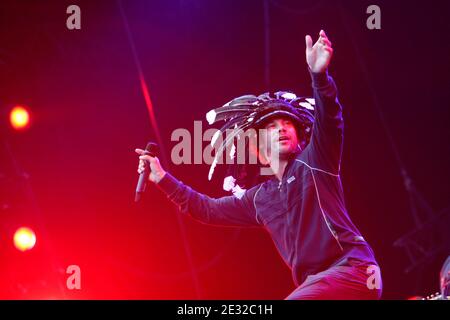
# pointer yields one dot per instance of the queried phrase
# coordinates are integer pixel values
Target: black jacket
(305, 213)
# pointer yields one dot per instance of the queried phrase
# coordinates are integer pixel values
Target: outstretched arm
(327, 134)
(225, 211)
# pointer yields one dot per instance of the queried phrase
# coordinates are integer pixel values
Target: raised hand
(318, 56)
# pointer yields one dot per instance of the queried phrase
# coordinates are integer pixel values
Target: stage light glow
(19, 117)
(24, 239)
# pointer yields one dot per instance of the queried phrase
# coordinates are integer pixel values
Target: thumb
(308, 41)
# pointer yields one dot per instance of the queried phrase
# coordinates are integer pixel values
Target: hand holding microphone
(149, 168)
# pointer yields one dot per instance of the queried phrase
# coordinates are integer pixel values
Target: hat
(250, 111)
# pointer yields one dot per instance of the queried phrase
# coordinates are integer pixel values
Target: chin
(285, 150)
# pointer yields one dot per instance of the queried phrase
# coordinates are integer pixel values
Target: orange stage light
(24, 239)
(19, 117)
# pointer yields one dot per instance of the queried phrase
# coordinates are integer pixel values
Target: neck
(278, 167)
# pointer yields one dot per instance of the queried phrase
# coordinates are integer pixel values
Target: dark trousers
(352, 280)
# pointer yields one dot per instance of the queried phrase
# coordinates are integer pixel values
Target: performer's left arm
(327, 134)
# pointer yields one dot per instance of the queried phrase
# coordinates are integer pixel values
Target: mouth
(283, 138)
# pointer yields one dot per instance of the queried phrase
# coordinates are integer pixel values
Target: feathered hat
(250, 111)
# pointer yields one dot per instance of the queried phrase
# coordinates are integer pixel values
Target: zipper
(333, 232)
(285, 173)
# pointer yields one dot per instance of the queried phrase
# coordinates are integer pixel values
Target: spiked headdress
(250, 111)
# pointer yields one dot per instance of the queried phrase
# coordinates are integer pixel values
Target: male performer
(302, 204)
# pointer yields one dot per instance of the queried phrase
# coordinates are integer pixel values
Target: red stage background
(71, 176)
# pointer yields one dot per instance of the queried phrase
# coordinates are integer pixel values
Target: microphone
(152, 150)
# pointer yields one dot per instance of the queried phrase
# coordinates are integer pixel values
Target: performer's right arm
(225, 211)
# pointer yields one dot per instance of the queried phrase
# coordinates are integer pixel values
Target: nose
(281, 127)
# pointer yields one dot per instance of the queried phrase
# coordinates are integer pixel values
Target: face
(280, 136)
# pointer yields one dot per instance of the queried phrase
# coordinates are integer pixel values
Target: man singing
(301, 204)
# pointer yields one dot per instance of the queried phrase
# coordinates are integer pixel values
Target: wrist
(159, 177)
(319, 79)
(169, 184)
(317, 71)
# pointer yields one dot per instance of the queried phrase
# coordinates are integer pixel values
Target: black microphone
(152, 150)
